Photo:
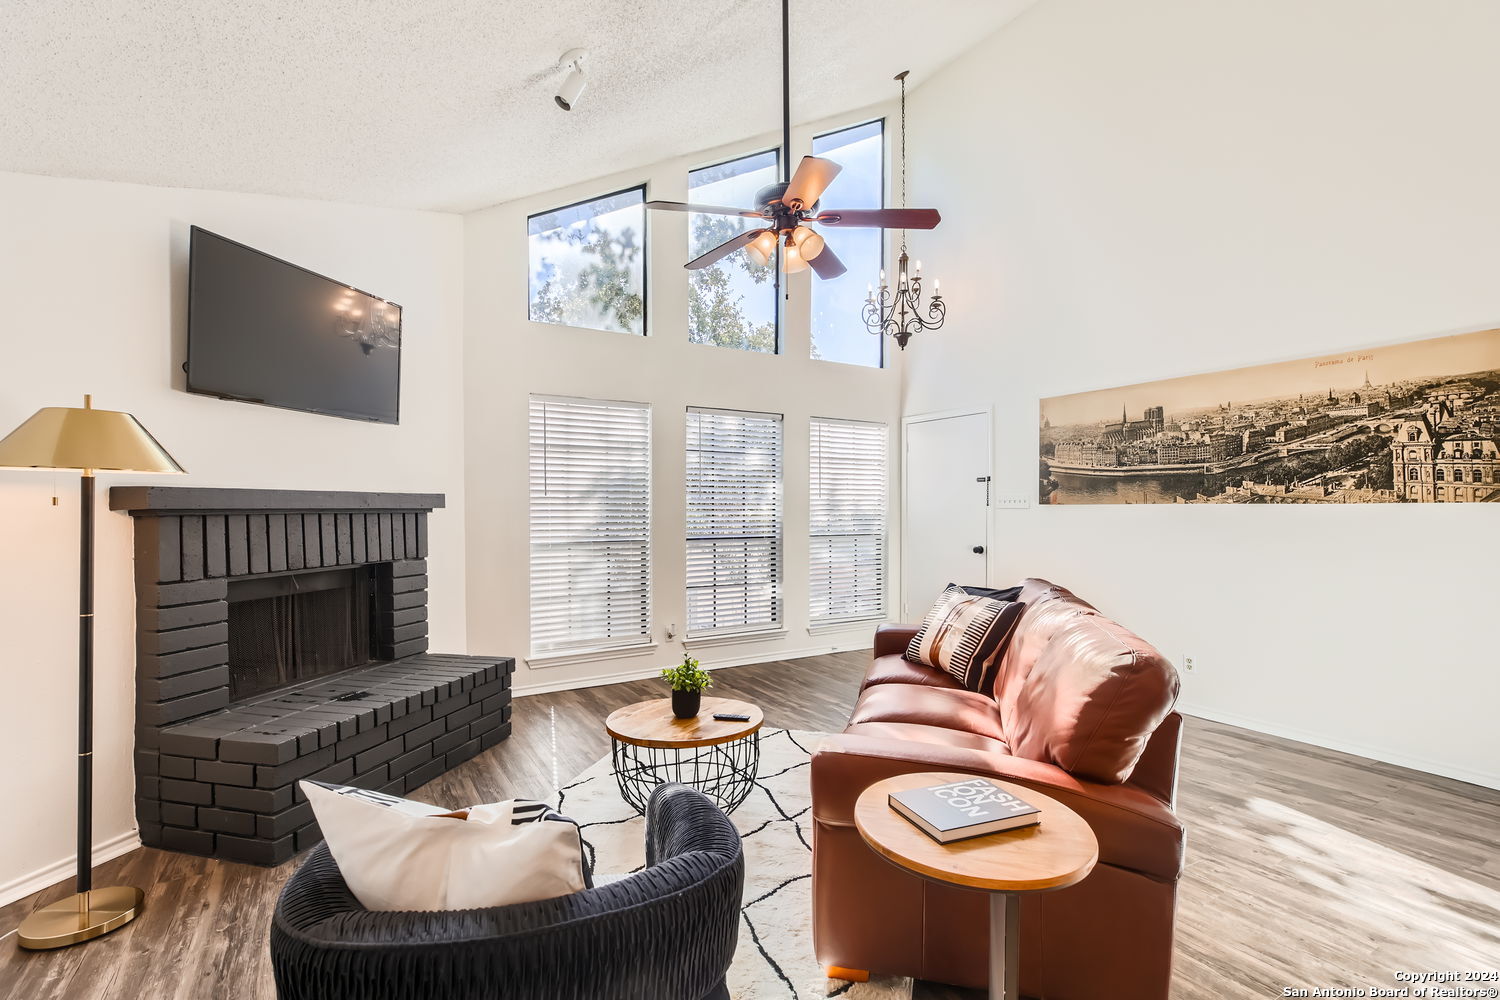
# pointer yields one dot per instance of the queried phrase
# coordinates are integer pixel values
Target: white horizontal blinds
(847, 520)
(590, 524)
(733, 521)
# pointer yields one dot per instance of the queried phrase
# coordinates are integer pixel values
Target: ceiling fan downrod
(786, 207)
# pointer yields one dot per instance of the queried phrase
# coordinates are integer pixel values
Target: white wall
(93, 277)
(507, 358)
(1133, 191)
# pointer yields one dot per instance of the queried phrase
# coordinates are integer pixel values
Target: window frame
(647, 639)
(776, 276)
(885, 198)
(644, 188)
(835, 623)
(778, 626)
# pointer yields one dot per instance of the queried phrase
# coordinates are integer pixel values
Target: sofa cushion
(1080, 691)
(897, 669)
(945, 708)
(1035, 629)
(935, 735)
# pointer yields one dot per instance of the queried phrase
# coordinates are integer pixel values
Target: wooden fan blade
(827, 265)
(881, 218)
(723, 250)
(812, 178)
(682, 206)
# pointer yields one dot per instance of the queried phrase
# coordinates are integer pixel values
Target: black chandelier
(897, 312)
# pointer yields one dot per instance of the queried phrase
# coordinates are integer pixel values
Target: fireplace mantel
(155, 501)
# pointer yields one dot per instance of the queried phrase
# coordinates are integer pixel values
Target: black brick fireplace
(282, 635)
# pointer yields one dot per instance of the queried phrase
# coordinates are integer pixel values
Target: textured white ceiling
(436, 104)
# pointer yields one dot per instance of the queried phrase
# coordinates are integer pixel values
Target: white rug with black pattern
(774, 960)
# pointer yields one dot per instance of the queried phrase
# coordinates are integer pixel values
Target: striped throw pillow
(962, 635)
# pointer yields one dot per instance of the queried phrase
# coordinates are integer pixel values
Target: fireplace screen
(287, 629)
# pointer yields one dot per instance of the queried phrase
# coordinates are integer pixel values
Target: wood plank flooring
(1302, 871)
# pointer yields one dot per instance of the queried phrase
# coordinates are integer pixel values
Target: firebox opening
(287, 629)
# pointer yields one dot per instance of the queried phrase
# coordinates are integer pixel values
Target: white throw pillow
(396, 854)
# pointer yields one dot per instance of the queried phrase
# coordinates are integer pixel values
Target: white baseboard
(642, 673)
(1439, 768)
(64, 868)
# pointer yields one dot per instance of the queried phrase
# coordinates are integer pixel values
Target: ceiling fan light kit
(809, 243)
(786, 207)
(792, 260)
(763, 247)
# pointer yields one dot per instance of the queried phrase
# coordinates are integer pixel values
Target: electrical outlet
(1187, 662)
(1012, 500)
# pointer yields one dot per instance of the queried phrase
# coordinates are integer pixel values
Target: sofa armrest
(1136, 831)
(892, 639)
(1156, 771)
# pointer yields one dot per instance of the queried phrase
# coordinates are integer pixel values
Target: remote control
(731, 717)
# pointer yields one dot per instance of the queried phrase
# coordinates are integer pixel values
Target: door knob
(979, 550)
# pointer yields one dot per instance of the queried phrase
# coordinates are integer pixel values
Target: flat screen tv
(266, 331)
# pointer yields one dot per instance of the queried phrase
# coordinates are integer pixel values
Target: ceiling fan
(789, 205)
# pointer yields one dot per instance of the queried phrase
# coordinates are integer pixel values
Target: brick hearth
(219, 778)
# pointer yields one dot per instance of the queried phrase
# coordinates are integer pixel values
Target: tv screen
(266, 331)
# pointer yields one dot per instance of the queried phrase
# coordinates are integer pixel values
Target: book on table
(958, 810)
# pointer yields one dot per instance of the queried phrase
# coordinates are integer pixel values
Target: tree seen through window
(733, 303)
(588, 264)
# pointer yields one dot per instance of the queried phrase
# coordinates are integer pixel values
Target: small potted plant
(688, 681)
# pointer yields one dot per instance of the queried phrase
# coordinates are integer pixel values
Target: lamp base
(80, 917)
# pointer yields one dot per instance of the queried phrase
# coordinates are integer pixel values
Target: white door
(945, 513)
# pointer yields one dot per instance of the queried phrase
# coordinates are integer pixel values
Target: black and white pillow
(1004, 594)
(963, 635)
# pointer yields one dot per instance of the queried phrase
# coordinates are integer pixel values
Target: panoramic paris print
(1416, 422)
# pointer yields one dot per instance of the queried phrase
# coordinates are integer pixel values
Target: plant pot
(685, 704)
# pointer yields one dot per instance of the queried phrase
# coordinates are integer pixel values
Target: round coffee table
(651, 746)
(1054, 854)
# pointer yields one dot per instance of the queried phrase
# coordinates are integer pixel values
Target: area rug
(774, 960)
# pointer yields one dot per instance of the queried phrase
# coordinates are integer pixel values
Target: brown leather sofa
(1081, 709)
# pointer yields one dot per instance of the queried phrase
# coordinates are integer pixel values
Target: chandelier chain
(903, 154)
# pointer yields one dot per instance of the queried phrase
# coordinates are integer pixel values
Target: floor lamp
(62, 437)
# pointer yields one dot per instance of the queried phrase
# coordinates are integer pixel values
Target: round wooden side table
(650, 746)
(1057, 852)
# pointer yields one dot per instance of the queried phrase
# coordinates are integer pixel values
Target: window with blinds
(590, 525)
(847, 520)
(733, 522)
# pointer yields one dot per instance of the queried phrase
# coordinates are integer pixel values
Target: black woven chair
(667, 932)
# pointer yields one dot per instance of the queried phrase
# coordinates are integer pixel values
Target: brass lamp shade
(66, 437)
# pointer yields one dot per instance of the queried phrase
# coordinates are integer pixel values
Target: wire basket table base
(725, 772)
